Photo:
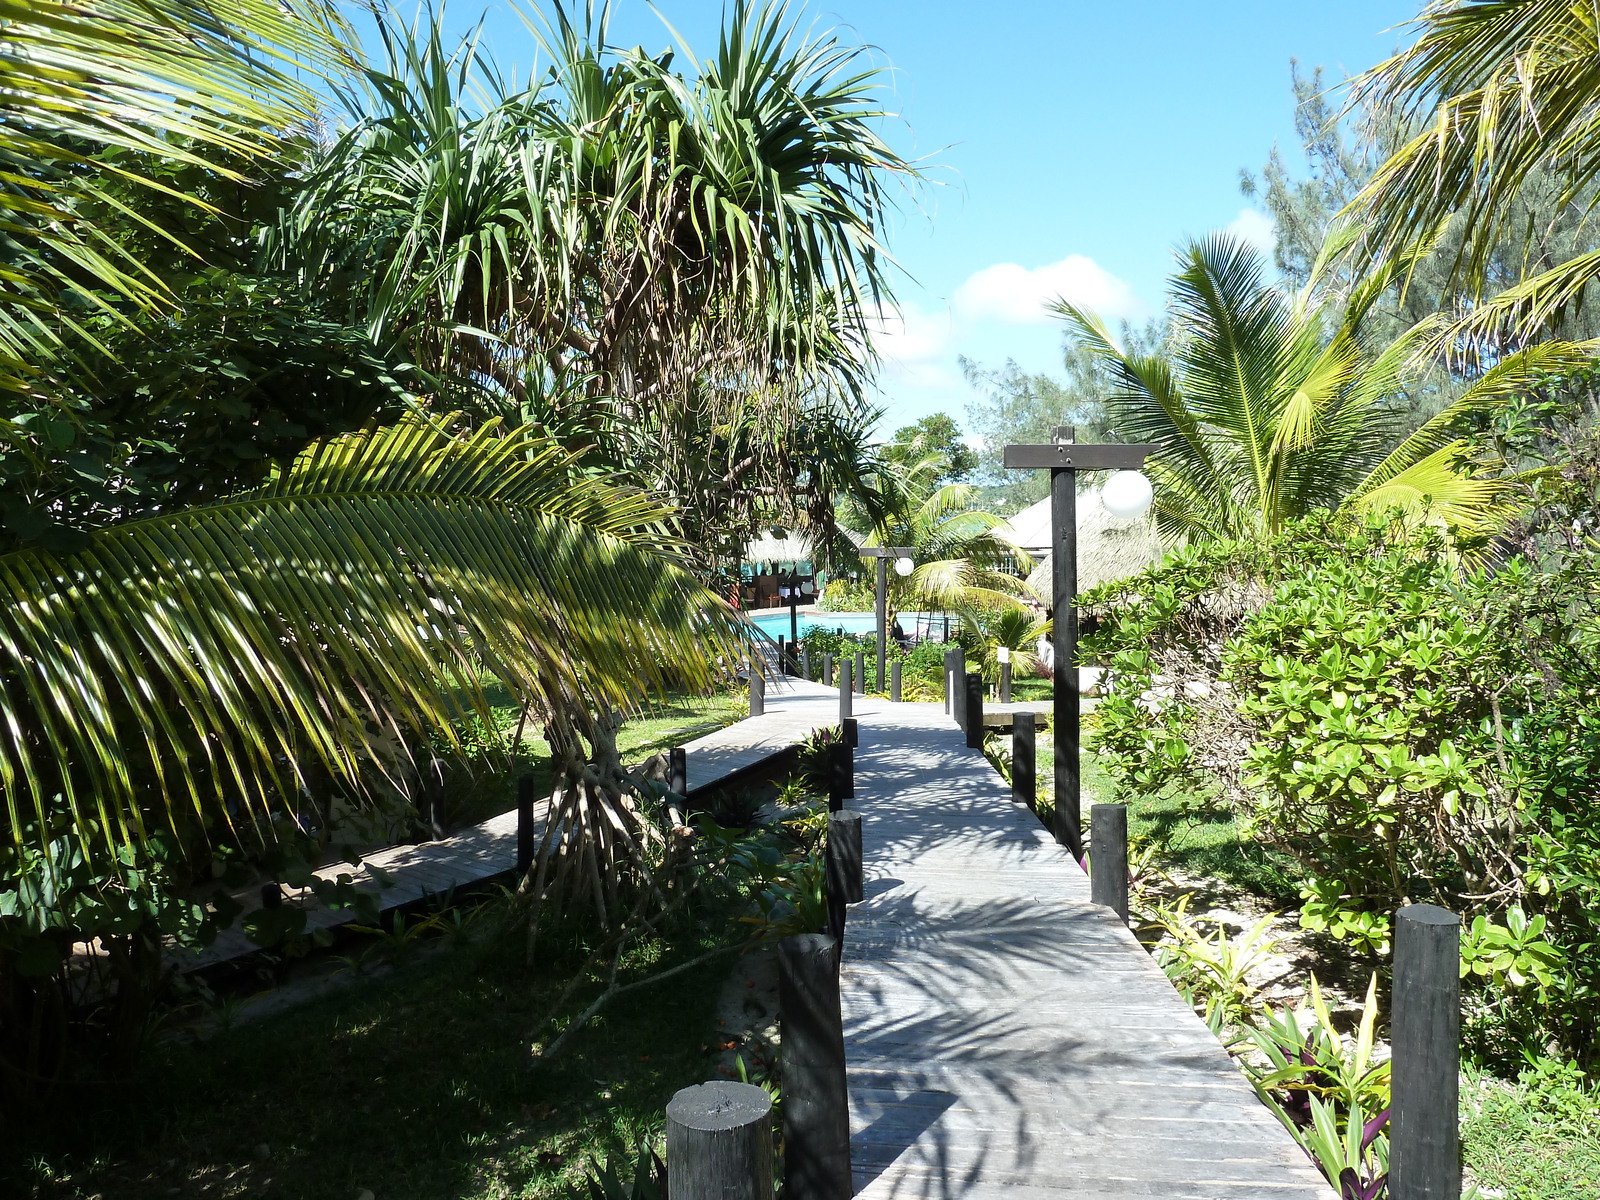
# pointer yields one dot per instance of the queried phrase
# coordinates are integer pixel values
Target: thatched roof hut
(1108, 547)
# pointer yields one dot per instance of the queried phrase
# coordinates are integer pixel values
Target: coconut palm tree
(1269, 406)
(1502, 97)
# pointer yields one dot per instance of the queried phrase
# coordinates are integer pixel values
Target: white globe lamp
(1127, 494)
(903, 566)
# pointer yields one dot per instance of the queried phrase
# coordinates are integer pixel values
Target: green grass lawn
(416, 1085)
(1531, 1140)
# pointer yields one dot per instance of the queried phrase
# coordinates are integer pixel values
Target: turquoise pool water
(774, 622)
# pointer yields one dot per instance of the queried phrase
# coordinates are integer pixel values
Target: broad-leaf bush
(1407, 729)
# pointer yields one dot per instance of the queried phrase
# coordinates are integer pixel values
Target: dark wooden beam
(1069, 455)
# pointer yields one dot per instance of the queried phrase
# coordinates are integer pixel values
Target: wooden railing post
(841, 774)
(895, 689)
(1024, 764)
(678, 770)
(1005, 682)
(758, 688)
(844, 880)
(958, 688)
(783, 655)
(1108, 857)
(805, 660)
(526, 842)
(719, 1142)
(861, 671)
(1425, 1030)
(949, 683)
(827, 670)
(816, 1114)
(845, 690)
(972, 710)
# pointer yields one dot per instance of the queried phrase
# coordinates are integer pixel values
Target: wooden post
(852, 732)
(1425, 1030)
(881, 611)
(526, 841)
(816, 1113)
(827, 670)
(1108, 857)
(845, 688)
(758, 690)
(678, 770)
(1005, 682)
(949, 687)
(895, 689)
(861, 671)
(958, 688)
(844, 882)
(972, 710)
(1064, 639)
(783, 655)
(1024, 764)
(719, 1142)
(805, 660)
(841, 775)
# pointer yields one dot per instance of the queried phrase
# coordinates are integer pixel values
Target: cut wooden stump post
(805, 661)
(816, 1114)
(841, 784)
(1108, 857)
(895, 690)
(1005, 683)
(719, 1142)
(949, 681)
(972, 710)
(527, 841)
(844, 869)
(851, 728)
(958, 688)
(861, 671)
(758, 692)
(1024, 764)
(783, 655)
(844, 690)
(827, 670)
(1425, 1030)
(678, 770)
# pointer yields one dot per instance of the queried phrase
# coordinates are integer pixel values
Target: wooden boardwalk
(1006, 1037)
(424, 869)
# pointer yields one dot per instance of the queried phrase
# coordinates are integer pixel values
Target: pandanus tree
(1269, 405)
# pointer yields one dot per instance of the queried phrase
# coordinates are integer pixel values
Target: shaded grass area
(419, 1084)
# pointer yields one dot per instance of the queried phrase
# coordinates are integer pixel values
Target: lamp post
(1130, 497)
(902, 567)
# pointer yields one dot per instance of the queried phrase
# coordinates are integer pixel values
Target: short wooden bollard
(852, 732)
(678, 770)
(949, 684)
(845, 689)
(1005, 683)
(719, 1142)
(1425, 1030)
(805, 660)
(958, 688)
(841, 775)
(972, 710)
(895, 689)
(758, 692)
(526, 841)
(827, 670)
(861, 671)
(1108, 857)
(1024, 764)
(783, 655)
(816, 1114)
(844, 882)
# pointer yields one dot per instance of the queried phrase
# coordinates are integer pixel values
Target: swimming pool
(774, 622)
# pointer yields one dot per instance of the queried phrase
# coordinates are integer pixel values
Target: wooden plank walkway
(1006, 1037)
(795, 708)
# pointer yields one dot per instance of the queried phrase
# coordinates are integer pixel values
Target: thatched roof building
(1108, 547)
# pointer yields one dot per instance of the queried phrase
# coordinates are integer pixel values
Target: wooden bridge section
(1006, 1037)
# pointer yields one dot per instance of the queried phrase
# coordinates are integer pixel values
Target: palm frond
(186, 669)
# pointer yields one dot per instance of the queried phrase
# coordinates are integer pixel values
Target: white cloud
(1254, 229)
(916, 347)
(1018, 295)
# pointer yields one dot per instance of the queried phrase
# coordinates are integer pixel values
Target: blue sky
(1070, 146)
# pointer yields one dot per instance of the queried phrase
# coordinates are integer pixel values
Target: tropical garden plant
(1269, 405)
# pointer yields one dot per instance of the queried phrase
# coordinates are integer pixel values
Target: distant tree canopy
(934, 436)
